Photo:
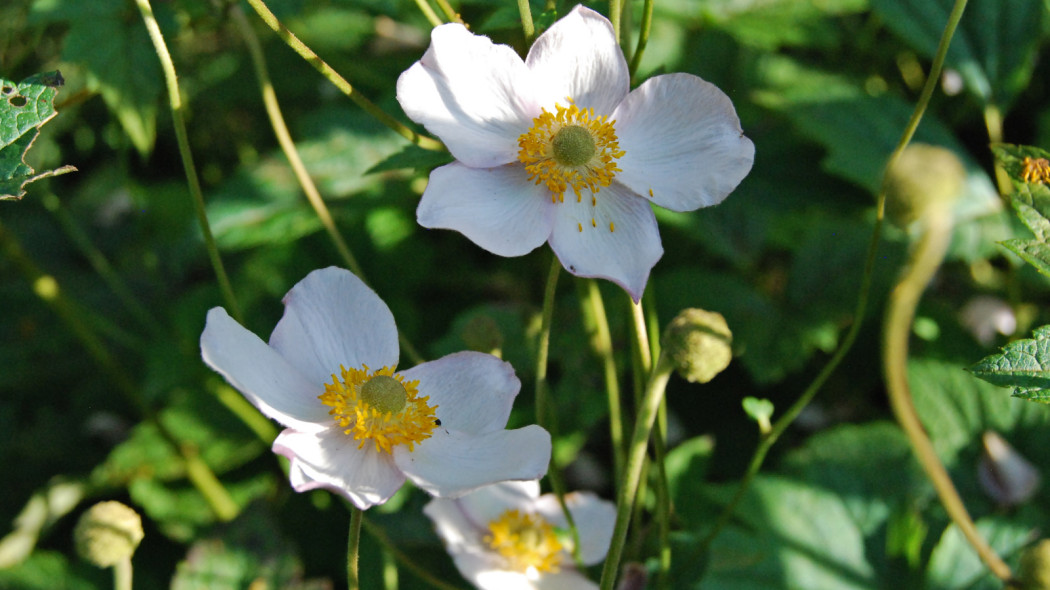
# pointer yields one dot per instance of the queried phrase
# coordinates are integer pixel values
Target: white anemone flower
(508, 537)
(557, 148)
(354, 424)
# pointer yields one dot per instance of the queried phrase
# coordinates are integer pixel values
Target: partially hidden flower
(558, 149)
(508, 537)
(355, 424)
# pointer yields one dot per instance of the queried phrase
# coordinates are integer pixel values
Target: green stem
(122, 574)
(643, 36)
(636, 459)
(429, 13)
(527, 28)
(544, 342)
(663, 497)
(332, 76)
(175, 100)
(925, 259)
(377, 533)
(450, 13)
(993, 121)
(769, 439)
(601, 342)
(284, 138)
(615, 8)
(353, 544)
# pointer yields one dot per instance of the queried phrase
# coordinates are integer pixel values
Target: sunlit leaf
(1023, 365)
(24, 108)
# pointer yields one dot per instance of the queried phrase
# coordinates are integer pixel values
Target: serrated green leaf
(1033, 252)
(24, 108)
(1022, 364)
(993, 47)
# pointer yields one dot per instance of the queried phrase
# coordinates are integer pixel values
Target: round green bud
(925, 180)
(107, 533)
(699, 343)
(1035, 567)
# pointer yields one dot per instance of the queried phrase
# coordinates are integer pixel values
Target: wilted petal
(473, 391)
(616, 239)
(682, 139)
(494, 207)
(330, 459)
(269, 382)
(451, 463)
(471, 93)
(578, 58)
(331, 318)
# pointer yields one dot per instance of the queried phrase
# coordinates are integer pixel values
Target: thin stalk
(175, 100)
(284, 138)
(925, 259)
(993, 121)
(663, 497)
(601, 342)
(49, 291)
(615, 7)
(643, 36)
(122, 574)
(101, 265)
(781, 424)
(450, 13)
(527, 27)
(332, 76)
(353, 544)
(429, 13)
(636, 459)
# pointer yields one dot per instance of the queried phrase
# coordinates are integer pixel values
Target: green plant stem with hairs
(353, 545)
(527, 27)
(340, 82)
(781, 424)
(904, 299)
(177, 107)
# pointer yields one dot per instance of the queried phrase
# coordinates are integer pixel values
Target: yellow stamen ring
(379, 406)
(527, 542)
(570, 148)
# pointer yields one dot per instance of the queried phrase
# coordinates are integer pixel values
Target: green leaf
(414, 157)
(24, 108)
(954, 563)
(686, 466)
(1022, 364)
(993, 48)
(48, 570)
(109, 39)
(1033, 252)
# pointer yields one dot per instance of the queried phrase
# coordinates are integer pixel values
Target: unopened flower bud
(108, 533)
(1035, 567)
(699, 343)
(924, 180)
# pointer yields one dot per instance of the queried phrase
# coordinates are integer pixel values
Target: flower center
(570, 148)
(379, 406)
(526, 542)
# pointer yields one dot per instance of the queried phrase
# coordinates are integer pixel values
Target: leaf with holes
(24, 108)
(1023, 365)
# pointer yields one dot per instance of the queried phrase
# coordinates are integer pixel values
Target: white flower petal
(566, 579)
(472, 390)
(493, 579)
(496, 208)
(260, 373)
(451, 463)
(578, 58)
(586, 247)
(330, 459)
(488, 503)
(594, 518)
(330, 319)
(471, 93)
(454, 526)
(681, 138)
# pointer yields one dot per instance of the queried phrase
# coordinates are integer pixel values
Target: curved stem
(636, 459)
(926, 258)
(601, 342)
(353, 544)
(175, 100)
(782, 423)
(332, 76)
(643, 36)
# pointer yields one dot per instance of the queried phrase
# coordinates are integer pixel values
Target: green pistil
(573, 146)
(385, 394)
